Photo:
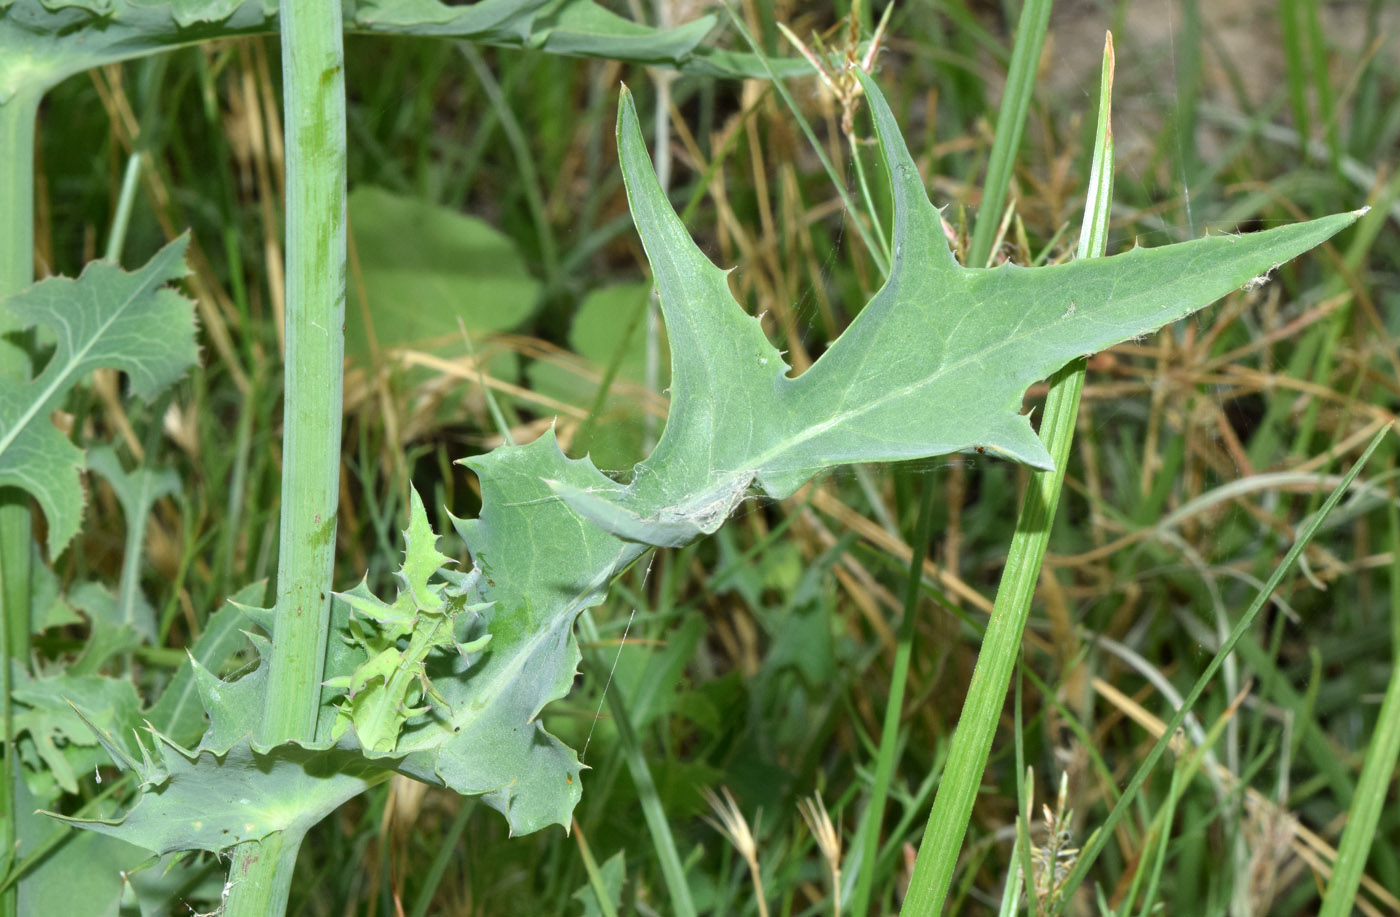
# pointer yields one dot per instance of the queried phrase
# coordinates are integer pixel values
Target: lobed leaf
(937, 362)
(105, 319)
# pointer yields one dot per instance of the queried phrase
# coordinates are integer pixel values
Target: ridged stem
(17, 121)
(314, 102)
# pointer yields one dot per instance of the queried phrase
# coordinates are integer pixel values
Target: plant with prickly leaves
(937, 362)
(381, 693)
(42, 43)
(446, 682)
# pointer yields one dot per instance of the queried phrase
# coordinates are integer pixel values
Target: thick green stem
(17, 117)
(313, 80)
(314, 102)
(260, 876)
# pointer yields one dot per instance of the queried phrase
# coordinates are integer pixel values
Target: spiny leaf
(106, 318)
(211, 802)
(937, 362)
(178, 713)
(400, 642)
(421, 558)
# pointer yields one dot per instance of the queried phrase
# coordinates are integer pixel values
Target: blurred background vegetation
(491, 247)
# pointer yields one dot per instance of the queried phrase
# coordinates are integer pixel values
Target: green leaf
(211, 802)
(592, 30)
(401, 640)
(45, 716)
(178, 713)
(603, 894)
(425, 267)
(44, 41)
(937, 362)
(137, 491)
(80, 875)
(108, 634)
(106, 318)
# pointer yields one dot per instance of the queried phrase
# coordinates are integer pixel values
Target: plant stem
(17, 121)
(260, 876)
(313, 79)
(314, 102)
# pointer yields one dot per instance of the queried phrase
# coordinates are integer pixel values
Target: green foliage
(106, 319)
(39, 46)
(47, 725)
(425, 267)
(938, 361)
(381, 692)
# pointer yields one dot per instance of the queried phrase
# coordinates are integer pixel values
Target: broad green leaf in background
(424, 267)
(937, 362)
(109, 633)
(603, 894)
(45, 723)
(48, 607)
(83, 875)
(106, 319)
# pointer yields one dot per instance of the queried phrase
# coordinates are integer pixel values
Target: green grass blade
(1020, 83)
(1104, 831)
(868, 835)
(1376, 773)
(952, 806)
(653, 812)
(881, 255)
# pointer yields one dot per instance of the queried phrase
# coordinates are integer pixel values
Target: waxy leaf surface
(937, 362)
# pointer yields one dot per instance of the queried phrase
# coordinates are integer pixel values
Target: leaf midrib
(61, 381)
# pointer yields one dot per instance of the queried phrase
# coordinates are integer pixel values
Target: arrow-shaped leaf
(937, 362)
